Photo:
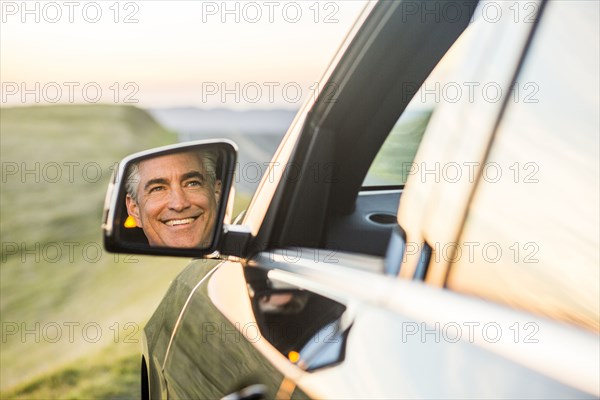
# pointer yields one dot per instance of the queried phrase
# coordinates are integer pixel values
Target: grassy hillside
(67, 308)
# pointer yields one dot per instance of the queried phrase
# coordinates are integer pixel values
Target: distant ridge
(192, 120)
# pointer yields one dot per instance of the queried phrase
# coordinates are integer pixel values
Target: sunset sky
(178, 53)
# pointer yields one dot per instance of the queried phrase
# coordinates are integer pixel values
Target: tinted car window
(531, 235)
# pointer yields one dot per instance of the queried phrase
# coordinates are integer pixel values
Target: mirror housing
(173, 200)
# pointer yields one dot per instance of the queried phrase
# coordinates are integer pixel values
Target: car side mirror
(172, 200)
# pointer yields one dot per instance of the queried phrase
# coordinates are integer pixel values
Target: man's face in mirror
(176, 200)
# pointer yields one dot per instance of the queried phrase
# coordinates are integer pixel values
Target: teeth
(175, 222)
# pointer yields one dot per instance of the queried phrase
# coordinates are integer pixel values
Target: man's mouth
(177, 222)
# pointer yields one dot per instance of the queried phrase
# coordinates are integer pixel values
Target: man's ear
(133, 210)
(218, 186)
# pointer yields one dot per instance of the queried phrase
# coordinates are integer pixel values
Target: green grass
(65, 280)
(102, 376)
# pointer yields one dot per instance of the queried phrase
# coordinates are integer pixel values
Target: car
(428, 227)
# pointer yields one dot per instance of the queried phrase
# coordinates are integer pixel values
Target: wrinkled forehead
(170, 166)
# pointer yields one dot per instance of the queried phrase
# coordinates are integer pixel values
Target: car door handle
(252, 392)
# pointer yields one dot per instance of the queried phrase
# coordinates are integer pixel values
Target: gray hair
(207, 158)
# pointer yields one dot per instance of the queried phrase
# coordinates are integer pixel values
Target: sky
(208, 54)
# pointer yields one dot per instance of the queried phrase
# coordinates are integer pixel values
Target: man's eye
(155, 189)
(194, 183)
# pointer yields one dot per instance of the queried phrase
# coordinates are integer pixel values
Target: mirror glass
(173, 198)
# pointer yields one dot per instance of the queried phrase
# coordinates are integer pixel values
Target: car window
(531, 236)
(392, 164)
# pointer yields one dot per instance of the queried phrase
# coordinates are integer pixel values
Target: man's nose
(178, 200)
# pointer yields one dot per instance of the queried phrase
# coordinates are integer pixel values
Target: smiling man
(174, 198)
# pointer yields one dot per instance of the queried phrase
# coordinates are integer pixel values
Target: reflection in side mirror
(171, 200)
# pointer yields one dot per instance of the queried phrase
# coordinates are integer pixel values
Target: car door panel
(380, 363)
(159, 329)
(211, 357)
(430, 343)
